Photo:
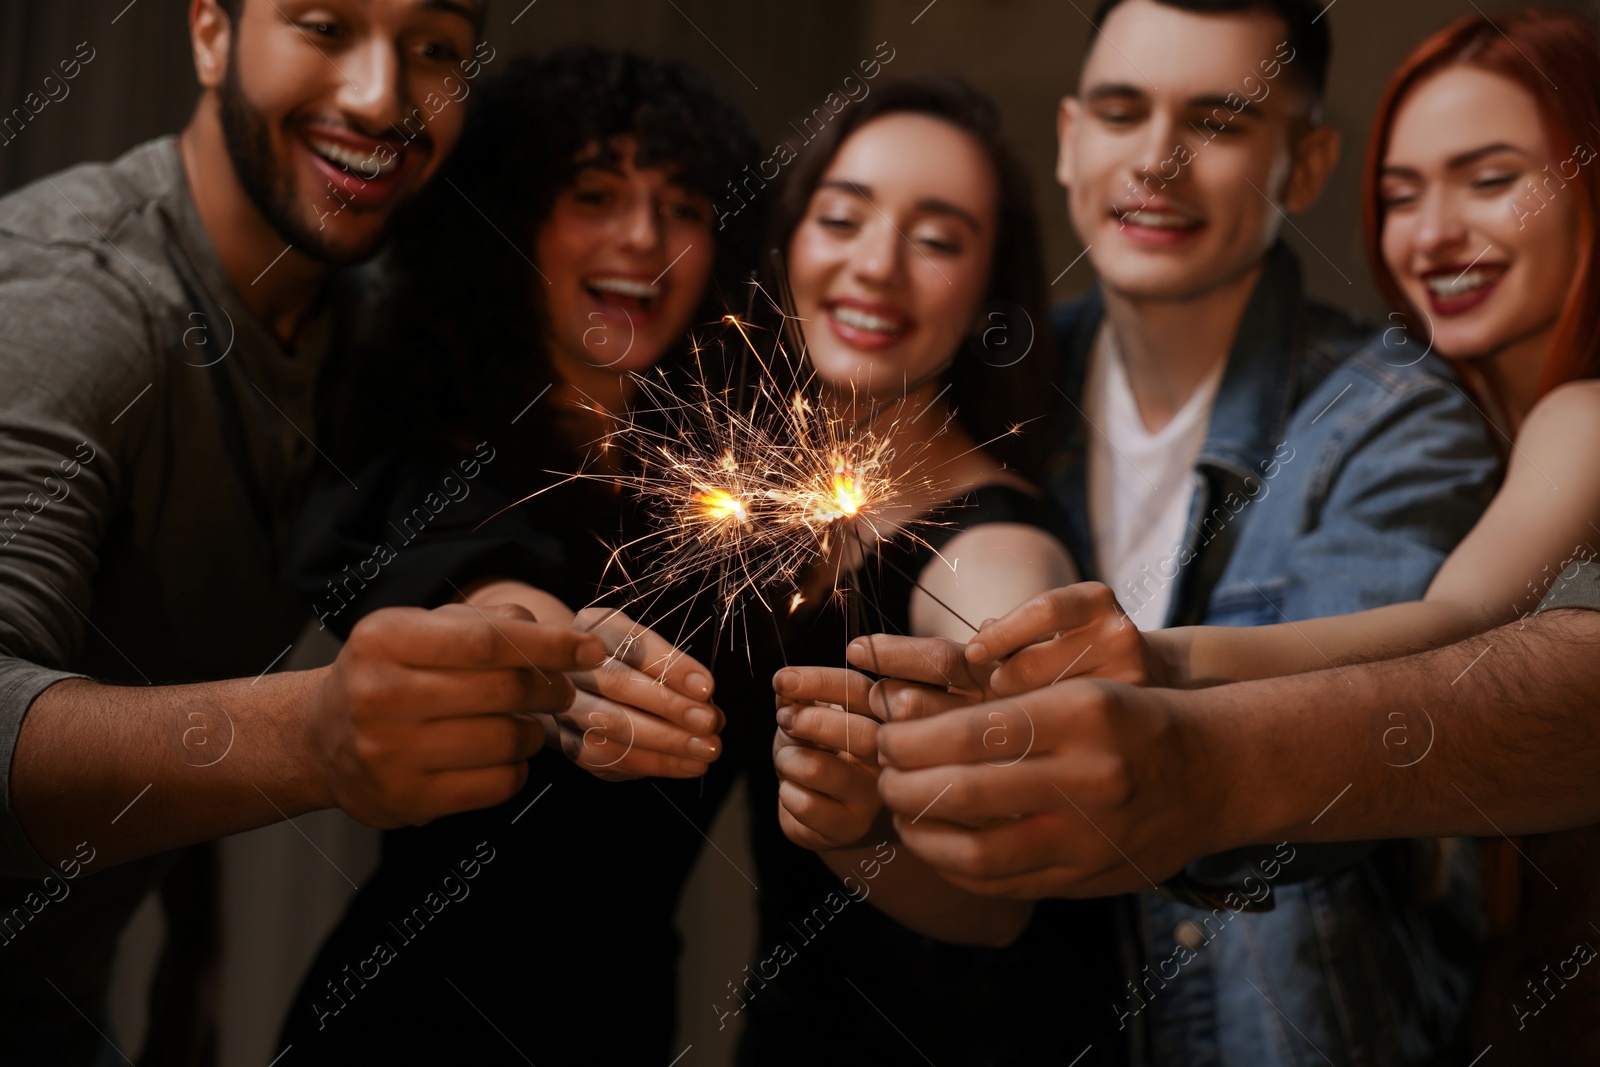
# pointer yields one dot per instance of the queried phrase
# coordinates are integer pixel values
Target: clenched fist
(427, 713)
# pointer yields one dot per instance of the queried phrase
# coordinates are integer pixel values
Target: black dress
(836, 981)
(543, 929)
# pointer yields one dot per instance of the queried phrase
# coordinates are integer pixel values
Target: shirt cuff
(20, 684)
(1577, 586)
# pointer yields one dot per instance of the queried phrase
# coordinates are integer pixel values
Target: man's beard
(267, 178)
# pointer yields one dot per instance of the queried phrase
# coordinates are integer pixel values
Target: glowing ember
(720, 506)
(846, 493)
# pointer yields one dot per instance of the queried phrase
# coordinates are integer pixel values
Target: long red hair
(1538, 50)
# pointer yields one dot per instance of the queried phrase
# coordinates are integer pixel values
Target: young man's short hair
(1308, 32)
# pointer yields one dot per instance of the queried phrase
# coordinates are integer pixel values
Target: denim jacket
(1338, 472)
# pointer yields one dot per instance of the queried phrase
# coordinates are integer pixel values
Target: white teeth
(1448, 288)
(862, 320)
(373, 165)
(626, 287)
(1157, 220)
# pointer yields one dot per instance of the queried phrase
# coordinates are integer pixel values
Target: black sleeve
(411, 530)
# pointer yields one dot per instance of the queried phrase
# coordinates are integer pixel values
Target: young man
(164, 321)
(1230, 454)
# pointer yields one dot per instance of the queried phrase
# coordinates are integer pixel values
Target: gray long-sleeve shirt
(152, 457)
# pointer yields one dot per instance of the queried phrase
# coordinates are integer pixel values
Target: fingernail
(700, 683)
(786, 717)
(977, 652)
(702, 720)
(702, 749)
(858, 645)
(786, 682)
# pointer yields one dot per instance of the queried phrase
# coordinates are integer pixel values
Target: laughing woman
(571, 245)
(911, 246)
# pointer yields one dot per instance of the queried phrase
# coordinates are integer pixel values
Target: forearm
(135, 770)
(914, 895)
(1491, 735)
(1195, 656)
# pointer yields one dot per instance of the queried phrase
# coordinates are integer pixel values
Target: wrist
(309, 784)
(1165, 659)
(1220, 773)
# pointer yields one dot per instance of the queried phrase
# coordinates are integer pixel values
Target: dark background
(779, 60)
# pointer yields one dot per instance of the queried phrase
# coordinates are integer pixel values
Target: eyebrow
(675, 177)
(1208, 102)
(930, 205)
(471, 10)
(1212, 103)
(1464, 159)
(1120, 90)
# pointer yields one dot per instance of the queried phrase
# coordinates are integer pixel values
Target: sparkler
(754, 491)
(746, 494)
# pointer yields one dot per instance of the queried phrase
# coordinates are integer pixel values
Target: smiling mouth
(375, 164)
(1157, 220)
(866, 321)
(629, 294)
(1448, 285)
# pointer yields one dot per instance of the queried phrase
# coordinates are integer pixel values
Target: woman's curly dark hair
(462, 350)
(993, 393)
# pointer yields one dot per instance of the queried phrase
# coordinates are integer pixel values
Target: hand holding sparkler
(826, 755)
(645, 711)
(922, 676)
(826, 749)
(1075, 631)
(427, 713)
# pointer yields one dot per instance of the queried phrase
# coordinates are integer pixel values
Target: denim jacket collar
(1260, 387)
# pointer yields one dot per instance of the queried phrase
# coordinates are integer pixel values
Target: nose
(1154, 153)
(878, 256)
(372, 94)
(1440, 230)
(641, 224)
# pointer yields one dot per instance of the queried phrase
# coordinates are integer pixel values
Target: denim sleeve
(1401, 476)
(1389, 470)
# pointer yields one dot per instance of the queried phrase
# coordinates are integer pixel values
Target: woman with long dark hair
(911, 248)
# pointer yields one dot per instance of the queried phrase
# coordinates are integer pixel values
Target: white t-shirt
(1141, 484)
